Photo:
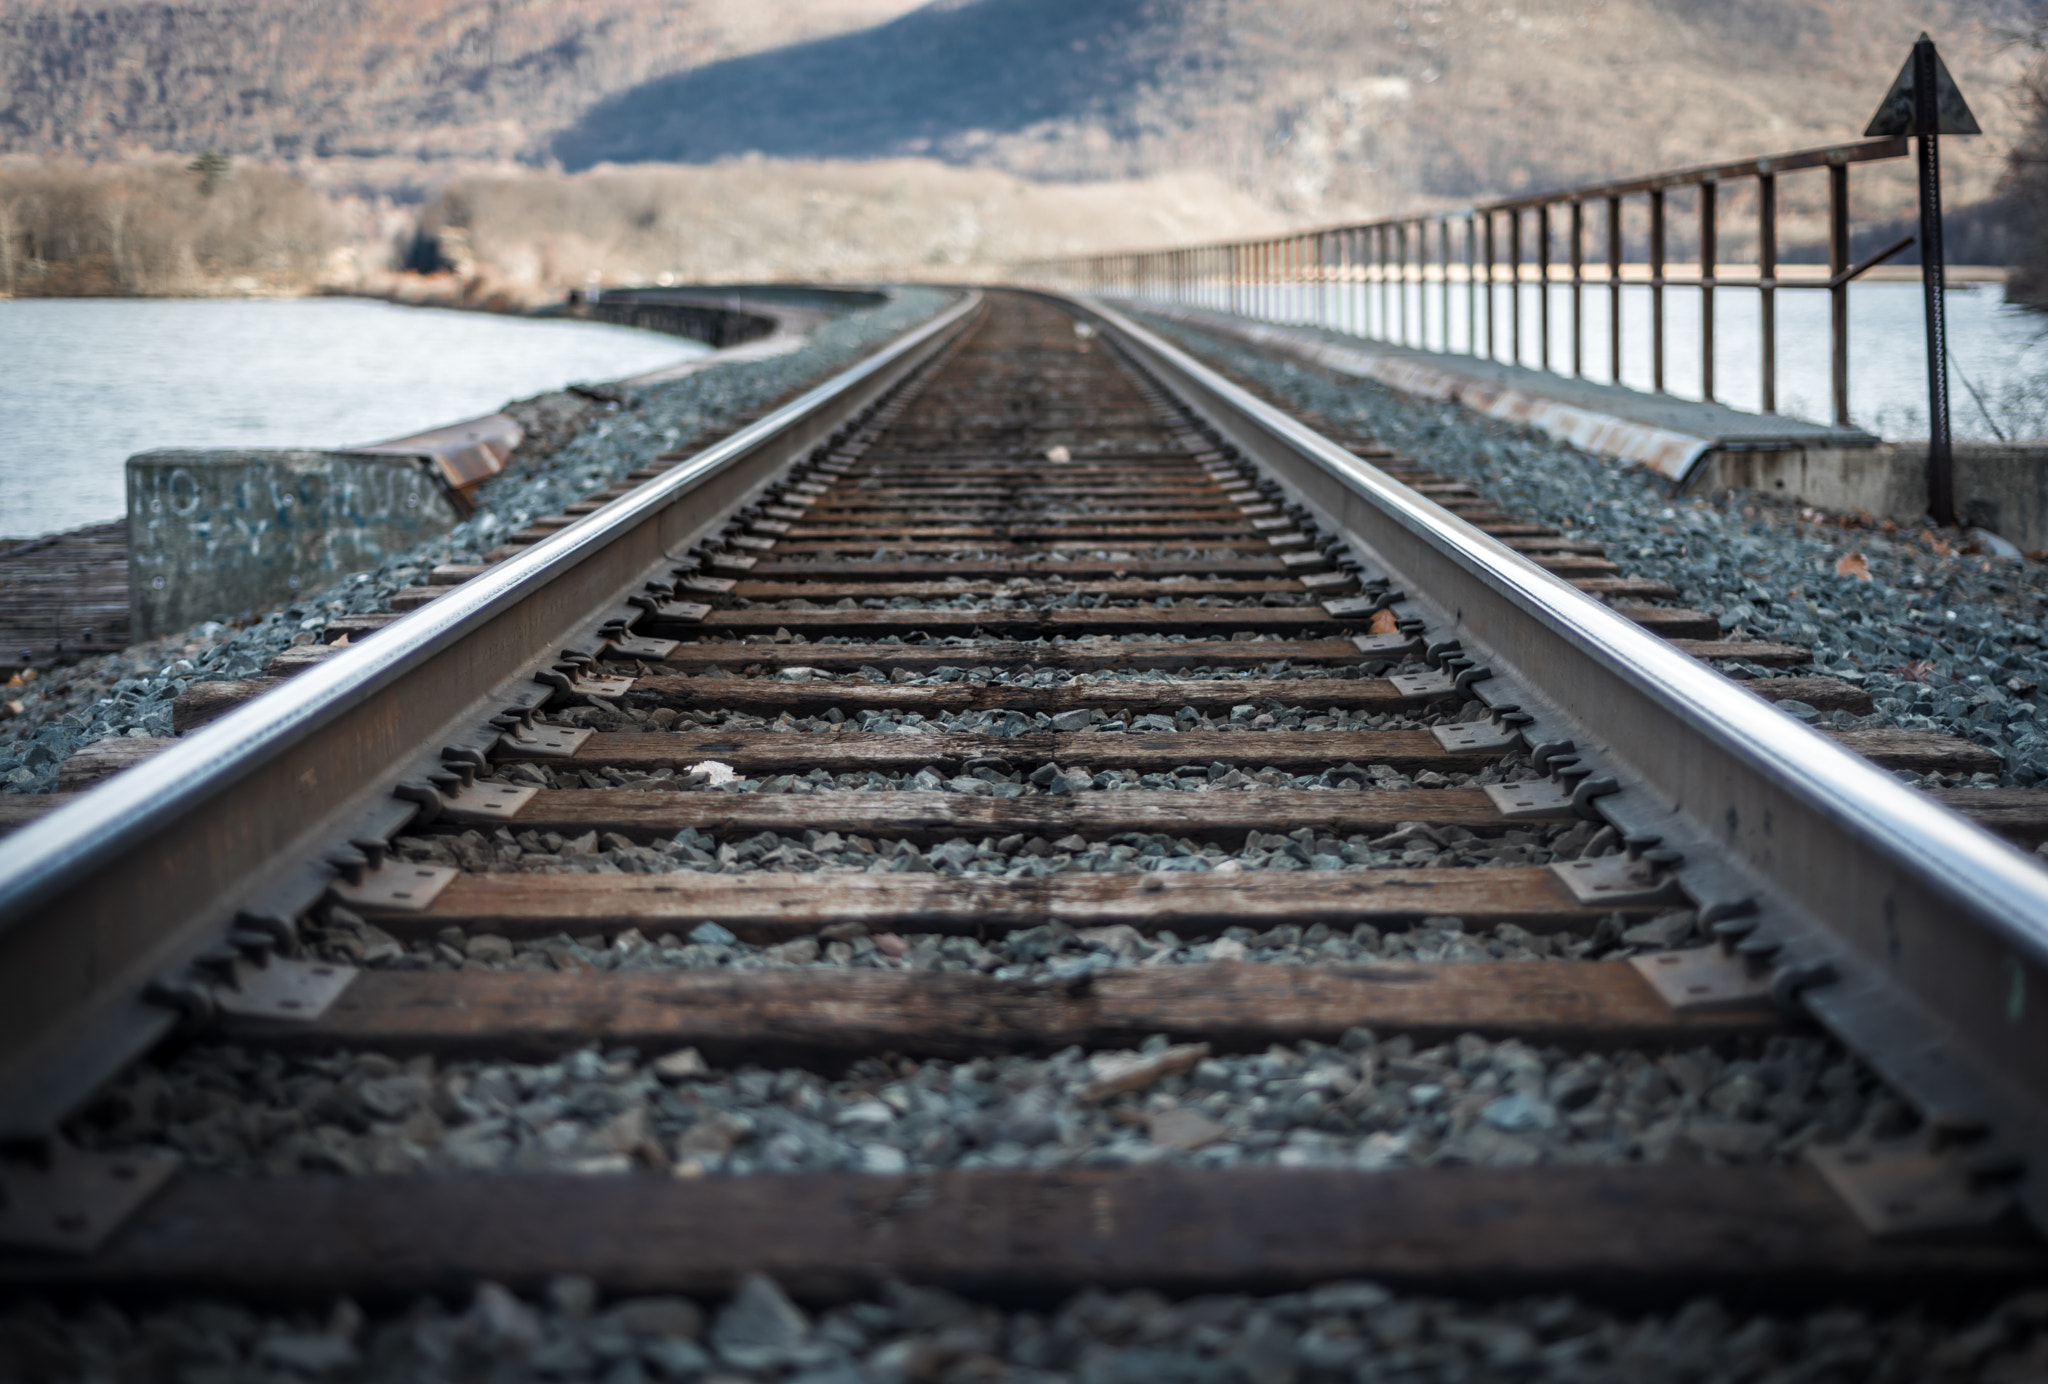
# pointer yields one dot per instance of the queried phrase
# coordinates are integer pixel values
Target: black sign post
(1924, 102)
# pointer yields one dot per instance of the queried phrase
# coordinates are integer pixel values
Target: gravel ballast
(1366, 1103)
(131, 693)
(1348, 1331)
(1942, 637)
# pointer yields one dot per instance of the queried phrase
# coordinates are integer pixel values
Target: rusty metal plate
(1436, 684)
(486, 802)
(1903, 1188)
(1703, 978)
(682, 612)
(638, 646)
(600, 687)
(400, 887)
(69, 1200)
(287, 988)
(545, 742)
(1615, 881)
(1477, 737)
(1539, 800)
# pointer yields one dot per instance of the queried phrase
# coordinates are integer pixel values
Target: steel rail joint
(1941, 928)
(129, 881)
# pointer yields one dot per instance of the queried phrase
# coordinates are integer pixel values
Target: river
(87, 382)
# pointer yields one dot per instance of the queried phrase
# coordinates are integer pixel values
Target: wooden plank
(868, 624)
(1373, 695)
(1922, 751)
(829, 590)
(1749, 651)
(848, 751)
(17, 810)
(1000, 545)
(1822, 694)
(651, 815)
(207, 701)
(767, 906)
(835, 1014)
(2017, 814)
(1076, 654)
(1098, 531)
(1772, 1234)
(897, 569)
(847, 517)
(1672, 622)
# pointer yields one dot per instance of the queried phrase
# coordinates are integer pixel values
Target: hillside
(541, 144)
(1316, 106)
(489, 79)
(1358, 104)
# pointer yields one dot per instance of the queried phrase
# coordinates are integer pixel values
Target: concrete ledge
(1665, 434)
(215, 532)
(2001, 487)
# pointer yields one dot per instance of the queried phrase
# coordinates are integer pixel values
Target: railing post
(1709, 252)
(1471, 285)
(1838, 291)
(1614, 248)
(1941, 482)
(1347, 313)
(1515, 282)
(1543, 281)
(1578, 290)
(1657, 290)
(1400, 234)
(1443, 250)
(1767, 276)
(1492, 350)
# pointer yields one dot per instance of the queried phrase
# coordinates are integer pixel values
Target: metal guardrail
(1376, 279)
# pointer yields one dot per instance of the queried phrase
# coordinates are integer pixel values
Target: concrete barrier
(2000, 486)
(211, 533)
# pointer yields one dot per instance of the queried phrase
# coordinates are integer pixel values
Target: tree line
(159, 228)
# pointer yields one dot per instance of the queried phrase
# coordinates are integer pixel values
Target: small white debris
(715, 772)
(1116, 1073)
(1084, 330)
(1058, 455)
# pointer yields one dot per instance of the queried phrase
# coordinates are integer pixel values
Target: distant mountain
(1319, 107)
(1352, 103)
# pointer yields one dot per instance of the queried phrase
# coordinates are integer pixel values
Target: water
(1998, 380)
(85, 383)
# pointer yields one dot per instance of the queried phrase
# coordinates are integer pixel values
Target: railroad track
(1026, 815)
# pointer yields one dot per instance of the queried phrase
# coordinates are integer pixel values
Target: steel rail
(146, 871)
(1923, 938)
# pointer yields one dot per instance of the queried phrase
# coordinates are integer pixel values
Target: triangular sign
(1895, 114)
